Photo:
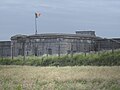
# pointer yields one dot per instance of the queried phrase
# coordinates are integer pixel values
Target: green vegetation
(85, 73)
(59, 78)
(93, 59)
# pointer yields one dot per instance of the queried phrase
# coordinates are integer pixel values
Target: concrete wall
(51, 44)
(5, 48)
(108, 44)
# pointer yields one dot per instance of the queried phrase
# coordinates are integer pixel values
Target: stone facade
(107, 44)
(56, 44)
(5, 48)
(42, 44)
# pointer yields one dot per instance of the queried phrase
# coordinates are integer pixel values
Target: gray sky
(59, 16)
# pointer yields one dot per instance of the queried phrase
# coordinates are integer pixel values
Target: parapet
(86, 33)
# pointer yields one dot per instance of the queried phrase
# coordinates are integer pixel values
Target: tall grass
(59, 78)
(91, 59)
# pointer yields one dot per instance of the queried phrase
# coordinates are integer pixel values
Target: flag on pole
(37, 14)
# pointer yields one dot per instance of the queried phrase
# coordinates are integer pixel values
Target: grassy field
(59, 78)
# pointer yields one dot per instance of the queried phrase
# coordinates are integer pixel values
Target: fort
(56, 44)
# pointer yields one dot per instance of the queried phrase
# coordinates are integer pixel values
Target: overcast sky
(59, 16)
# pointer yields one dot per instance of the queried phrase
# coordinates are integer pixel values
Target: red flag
(37, 14)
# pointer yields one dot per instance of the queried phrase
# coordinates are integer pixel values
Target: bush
(102, 59)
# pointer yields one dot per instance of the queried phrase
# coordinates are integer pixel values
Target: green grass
(92, 59)
(59, 78)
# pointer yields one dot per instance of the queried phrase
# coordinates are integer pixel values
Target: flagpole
(35, 24)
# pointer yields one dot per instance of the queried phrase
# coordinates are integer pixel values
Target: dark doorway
(49, 51)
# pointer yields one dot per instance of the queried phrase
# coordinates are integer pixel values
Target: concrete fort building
(53, 44)
(56, 44)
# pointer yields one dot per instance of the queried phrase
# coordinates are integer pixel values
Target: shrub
(101, 59)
